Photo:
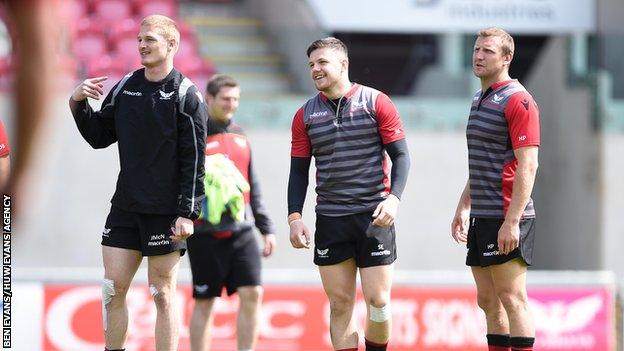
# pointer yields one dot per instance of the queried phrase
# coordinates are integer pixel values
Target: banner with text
(297, 318)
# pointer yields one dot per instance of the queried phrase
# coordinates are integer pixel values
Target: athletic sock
(373, 346)
(522, 343)
(498, 342)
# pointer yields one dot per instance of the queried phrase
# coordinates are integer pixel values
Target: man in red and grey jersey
(5, 158)
(495, 214)
(352, 131)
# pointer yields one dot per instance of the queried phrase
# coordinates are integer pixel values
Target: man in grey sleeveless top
(495, 214)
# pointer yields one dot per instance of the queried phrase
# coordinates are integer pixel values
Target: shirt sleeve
(5, 149)
(191, 145)
(260, 212)
(388, 120)
(96, 127)
(300, 142)
(298, 183)
(522, 116)
(399, 155)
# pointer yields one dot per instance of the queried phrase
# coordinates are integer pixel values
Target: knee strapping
(153, 290)
(108, 291)
(380, 314)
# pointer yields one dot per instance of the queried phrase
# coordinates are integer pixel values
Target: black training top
(160, 128)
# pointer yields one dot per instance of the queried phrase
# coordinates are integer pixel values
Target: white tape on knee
(108, 291)
(153, 290)
(380, 314)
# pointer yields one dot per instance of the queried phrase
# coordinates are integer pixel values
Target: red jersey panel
(233, 146)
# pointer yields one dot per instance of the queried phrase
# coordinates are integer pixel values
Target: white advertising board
(452, 16)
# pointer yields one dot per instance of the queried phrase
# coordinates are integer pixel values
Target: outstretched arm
(96, 127)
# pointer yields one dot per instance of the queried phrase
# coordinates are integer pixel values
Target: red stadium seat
(77, 8)
(127, 63)
(196, 69)
(126, 47)
(190, 65)
(157, 7)
(188, 48)
(125, 28)
(69, 11)
(186, 32)
(89, 45)
(101, 66)
(110, 12)
(111, 66)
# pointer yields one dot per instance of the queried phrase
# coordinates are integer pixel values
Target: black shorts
(340, 238)
(148, 233)
(217, 263)
(483, 242)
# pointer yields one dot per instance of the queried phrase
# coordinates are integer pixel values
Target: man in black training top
(158, 119)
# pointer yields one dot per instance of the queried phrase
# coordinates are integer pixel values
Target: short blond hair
(164, 25)
(507, 42)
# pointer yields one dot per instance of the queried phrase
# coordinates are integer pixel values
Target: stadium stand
(238, 44)
(104, 39)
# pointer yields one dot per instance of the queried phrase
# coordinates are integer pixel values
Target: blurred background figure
(223, 252)
(34, 27)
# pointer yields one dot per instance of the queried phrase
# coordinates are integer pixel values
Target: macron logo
(497, 99)
(132, 93)
(319, 114)
(358, 104)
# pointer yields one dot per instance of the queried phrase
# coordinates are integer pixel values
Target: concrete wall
(612, 190)
(567, 194)
(610, 14)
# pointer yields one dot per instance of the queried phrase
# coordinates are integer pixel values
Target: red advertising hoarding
(297, 318)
